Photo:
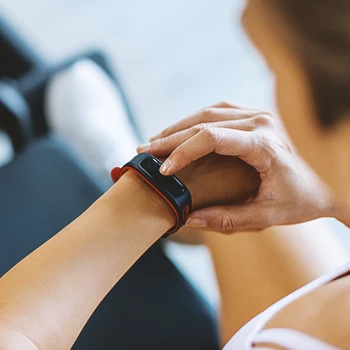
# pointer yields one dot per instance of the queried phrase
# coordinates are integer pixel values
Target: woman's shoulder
(319, 307)
(323, 313)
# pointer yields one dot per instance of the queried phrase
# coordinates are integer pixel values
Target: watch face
(171, 184)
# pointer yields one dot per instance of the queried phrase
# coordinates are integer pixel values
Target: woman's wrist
(147, 201)
(82, 263)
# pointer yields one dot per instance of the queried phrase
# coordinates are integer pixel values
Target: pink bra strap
(290, 340)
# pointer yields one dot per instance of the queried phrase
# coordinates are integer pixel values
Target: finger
(230, 219)
(238, 106)
(187, 121)
(166, 145)
(219, 140)
(224, 104)
(207, 115)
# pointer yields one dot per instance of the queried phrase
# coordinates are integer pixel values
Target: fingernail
(165, 168)
(144, 147)
(197, 223)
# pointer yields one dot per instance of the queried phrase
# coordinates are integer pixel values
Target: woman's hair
(321, 38)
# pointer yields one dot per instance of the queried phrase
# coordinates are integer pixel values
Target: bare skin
(325, 311)
(261, 140)
(322, 314)
(48, 297)
(290, 193)
(255, 270)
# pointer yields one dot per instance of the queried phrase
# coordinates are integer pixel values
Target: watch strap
(181, 215)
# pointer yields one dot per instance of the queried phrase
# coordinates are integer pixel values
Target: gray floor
(174, 57)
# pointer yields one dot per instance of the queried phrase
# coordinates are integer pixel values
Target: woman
(47, 298)
(307, 46)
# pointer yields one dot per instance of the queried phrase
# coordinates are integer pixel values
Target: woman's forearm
(49, 296)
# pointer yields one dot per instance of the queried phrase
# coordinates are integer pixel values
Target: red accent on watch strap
(117, 173)
(185, 212)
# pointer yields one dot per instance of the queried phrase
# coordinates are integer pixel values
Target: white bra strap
(290, 340)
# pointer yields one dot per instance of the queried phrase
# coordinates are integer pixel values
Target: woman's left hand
(290, 191)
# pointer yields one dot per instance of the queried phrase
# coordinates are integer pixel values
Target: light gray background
(174, 56)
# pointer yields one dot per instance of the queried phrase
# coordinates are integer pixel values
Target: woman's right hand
(290, 191)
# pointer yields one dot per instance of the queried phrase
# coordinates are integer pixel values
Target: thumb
(229, 219)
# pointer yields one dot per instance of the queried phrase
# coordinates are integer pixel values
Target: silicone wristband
(170, 188)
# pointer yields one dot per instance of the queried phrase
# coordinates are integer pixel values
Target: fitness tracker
(170, 188)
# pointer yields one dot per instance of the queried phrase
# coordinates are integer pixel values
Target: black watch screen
(171, 184)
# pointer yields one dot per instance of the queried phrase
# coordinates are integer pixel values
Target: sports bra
(253, 336)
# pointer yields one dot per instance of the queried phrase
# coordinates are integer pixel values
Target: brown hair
(321, 33)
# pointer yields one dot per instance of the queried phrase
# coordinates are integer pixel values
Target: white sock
(84, 108)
